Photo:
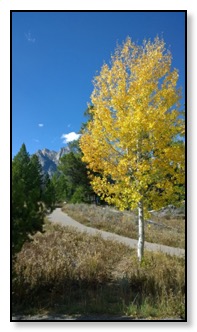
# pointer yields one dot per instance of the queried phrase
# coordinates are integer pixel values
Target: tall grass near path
(65, 271)
(167, 230)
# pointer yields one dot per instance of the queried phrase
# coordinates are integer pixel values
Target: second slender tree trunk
(140, 250)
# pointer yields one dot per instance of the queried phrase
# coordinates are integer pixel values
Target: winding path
(58, 216)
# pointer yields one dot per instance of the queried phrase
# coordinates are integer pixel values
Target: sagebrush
(167, 229)
(67, 271)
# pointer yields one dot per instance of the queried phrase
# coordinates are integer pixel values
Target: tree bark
(140, 251)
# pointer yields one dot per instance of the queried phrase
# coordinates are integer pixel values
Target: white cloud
(30, 38)
(70, 137)
(40, 125)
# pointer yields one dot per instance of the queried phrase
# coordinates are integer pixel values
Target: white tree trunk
(140, 251)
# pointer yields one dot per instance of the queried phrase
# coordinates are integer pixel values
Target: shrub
(170, 231)
(61, 255)
(73, 272)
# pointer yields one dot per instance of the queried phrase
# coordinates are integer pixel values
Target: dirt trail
(58, 216)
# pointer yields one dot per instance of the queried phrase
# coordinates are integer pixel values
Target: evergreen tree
(48, 194)
(75, 173)
(27, 218)
(60, 186)
(36, 180)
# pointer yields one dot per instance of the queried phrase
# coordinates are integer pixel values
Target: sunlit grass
(67, 272)
(167, 230)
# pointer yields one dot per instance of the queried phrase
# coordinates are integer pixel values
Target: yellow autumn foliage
(133, 145)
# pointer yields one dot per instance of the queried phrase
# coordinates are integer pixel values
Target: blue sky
(55, 56)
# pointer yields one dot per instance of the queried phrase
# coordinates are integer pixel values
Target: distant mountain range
(49, 159)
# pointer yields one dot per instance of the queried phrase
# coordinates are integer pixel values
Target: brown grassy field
(168, 229)
(68, 272)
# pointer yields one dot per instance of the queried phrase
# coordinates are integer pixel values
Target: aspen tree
(133, 144)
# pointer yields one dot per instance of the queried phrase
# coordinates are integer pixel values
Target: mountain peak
(49, 159)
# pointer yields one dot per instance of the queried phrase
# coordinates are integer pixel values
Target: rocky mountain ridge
(49, 159)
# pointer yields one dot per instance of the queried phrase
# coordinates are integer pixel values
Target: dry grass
(167, 230)
(65, 271)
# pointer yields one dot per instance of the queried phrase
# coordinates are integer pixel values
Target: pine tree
(61, 187)
(48, 193)
(36, 180)
(75, 172)
(26, 188)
